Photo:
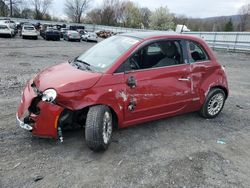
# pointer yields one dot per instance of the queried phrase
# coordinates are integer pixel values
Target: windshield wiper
(80, 61)
(85, 63)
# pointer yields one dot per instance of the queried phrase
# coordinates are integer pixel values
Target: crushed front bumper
(23, 125)
(42, 117)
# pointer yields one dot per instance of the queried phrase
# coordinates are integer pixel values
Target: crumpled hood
(65, 78)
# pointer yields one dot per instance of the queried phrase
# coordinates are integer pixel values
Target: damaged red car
(124, 80)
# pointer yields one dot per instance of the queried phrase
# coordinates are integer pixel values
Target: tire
(36, 38)
(99, 128)
(213, 104)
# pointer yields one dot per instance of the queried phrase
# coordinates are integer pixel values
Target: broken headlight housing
(49, 95)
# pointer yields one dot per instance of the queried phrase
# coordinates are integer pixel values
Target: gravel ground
(176, 152)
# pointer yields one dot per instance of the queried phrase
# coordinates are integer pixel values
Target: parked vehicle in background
(63, 31)
(89, 36)
(181, 29)
(29, 31)
(75, 27)
(72, 36)
(11, 24)
(50, 34)
(6, 31)
(122, 81)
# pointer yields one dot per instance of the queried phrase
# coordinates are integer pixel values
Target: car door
(200, 66)
(159, 83)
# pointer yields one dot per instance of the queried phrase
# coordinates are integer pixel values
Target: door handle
(185, 79)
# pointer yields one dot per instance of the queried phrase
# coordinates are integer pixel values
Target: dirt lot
(175, 152)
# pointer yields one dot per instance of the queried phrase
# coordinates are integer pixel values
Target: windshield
(105, 53)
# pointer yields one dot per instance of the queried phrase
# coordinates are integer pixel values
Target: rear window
(29, 28)
(3, 27)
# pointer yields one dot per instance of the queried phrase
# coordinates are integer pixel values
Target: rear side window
(196, 53)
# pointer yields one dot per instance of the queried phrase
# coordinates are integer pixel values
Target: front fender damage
(39, 117)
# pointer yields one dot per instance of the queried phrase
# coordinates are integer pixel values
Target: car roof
(72, 31)
(150, 34)
(28, 25)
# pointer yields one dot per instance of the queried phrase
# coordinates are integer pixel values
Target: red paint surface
(158, 93)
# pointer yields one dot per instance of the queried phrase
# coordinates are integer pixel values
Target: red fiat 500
(125, 80)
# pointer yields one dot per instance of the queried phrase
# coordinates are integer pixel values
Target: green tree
(229, 26)
(130, 16)
(145, 14)
(161, 19)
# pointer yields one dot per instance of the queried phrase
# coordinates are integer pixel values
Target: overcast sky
(190, 8)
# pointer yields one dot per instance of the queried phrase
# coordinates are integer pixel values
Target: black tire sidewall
(209, 96)
(94, 128)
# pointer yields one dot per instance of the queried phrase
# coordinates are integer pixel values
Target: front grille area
(39, 93)
(33, 107)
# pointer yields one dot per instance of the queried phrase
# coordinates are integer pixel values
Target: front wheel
(214, 103)
(99, 128)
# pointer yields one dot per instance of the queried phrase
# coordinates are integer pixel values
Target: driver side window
(155, 55)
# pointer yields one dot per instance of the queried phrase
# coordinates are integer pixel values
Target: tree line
(124, 13)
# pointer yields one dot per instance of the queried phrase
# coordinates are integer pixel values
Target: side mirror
(131, 82)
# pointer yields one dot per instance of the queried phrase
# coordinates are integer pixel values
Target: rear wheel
(99, 128)
(214, 103)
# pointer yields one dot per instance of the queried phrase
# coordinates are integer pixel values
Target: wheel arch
(115, 114)
(222, 88)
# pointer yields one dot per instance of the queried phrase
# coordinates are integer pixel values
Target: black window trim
(147, 43)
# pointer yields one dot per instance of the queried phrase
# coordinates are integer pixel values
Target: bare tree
(244, 16)
(109, 13)
(12, 4)
(94, 16)
(75, 9)
(3, 8)
(40, 8)
(145, 14)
